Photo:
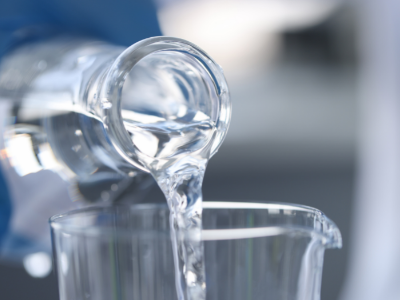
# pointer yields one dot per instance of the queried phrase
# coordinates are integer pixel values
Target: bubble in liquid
(76, 148)
(105, 104)
(105, 195)
(82, 59)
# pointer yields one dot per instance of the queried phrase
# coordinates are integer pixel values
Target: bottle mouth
(167, 79)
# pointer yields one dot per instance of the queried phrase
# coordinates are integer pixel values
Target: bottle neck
(160, 77)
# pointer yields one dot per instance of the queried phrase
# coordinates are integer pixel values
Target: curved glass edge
(332, 232)
(324, 229)
(115, 77)
(332, 238)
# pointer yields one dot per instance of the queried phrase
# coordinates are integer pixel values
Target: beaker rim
(284, 214)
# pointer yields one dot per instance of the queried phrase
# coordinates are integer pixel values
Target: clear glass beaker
(252, 251)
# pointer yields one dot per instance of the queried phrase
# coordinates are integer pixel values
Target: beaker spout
(333, 237)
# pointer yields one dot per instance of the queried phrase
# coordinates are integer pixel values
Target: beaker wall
(268, 251)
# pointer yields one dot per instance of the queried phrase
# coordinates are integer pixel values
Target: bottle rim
(111, 89)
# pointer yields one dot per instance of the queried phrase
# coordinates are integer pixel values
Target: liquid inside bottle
(51, 93)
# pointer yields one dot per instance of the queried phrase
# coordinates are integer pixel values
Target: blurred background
(291, 67)
(297, 70)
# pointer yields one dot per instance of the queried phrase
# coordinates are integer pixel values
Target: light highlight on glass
(37, 264)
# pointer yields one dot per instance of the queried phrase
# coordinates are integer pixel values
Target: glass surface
(252, 251)
(93, 112)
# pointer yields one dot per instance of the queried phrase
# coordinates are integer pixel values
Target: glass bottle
(68, 103)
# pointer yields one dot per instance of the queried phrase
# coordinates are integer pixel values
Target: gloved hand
(122, 22)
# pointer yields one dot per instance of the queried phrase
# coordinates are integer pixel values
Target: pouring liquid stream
(171, 108)
(176, 153)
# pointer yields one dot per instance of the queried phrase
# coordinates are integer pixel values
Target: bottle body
(56, 155)
(52, 89)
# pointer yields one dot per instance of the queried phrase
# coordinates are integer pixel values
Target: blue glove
(122, 22)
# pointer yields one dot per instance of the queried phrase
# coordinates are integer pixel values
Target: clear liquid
(176, 152)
